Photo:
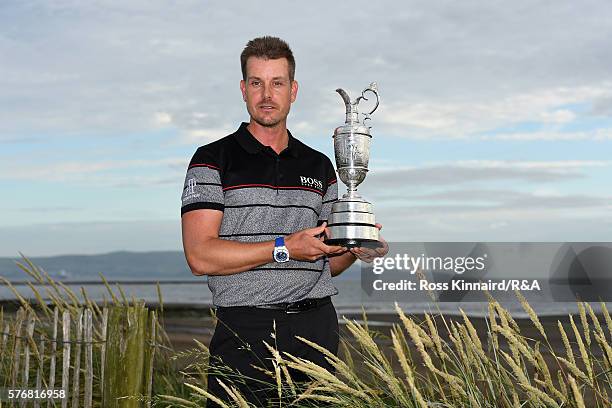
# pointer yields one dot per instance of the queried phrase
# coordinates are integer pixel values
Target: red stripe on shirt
(204, 165)
(273, 187)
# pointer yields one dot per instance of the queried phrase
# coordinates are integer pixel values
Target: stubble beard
(269, 122)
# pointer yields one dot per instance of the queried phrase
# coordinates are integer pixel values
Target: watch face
(281, 256)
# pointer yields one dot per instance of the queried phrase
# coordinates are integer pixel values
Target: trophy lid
(352, 124)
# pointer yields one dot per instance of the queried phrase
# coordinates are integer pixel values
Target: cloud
(46, 209)
(496, 199)
(597, 135)
(559, 165)
(520, 225)
(480, 200)
(467, 117)
(495, 215)
(139, 181)
(204, 136)
(444, 70)
(558, 116)
(602, 107)
(162, 118)
(90, 237)
(13, 140)
(476, 171)
(83, 171)
(138, 78)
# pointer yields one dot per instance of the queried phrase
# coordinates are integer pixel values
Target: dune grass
(435, 361)
(51, 297)
(425, 361)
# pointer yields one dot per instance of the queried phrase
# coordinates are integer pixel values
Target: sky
(495, 121)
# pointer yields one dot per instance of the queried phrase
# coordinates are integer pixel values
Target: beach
(183, 326)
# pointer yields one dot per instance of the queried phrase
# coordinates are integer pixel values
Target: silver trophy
(351, 222)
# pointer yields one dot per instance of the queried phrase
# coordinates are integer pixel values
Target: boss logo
(311, 182)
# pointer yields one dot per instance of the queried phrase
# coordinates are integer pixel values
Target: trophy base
(355, 243)
(351, 224)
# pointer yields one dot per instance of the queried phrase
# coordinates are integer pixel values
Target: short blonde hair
(267, 47)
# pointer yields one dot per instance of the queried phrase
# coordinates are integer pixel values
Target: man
(254, 212)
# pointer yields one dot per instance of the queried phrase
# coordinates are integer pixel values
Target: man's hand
(367, 254)
(306, 245)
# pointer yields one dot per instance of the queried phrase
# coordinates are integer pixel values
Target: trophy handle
(374, 89)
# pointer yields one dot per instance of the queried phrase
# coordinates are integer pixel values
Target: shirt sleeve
(202, 188)
(331, 194)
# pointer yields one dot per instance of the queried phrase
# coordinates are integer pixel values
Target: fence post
(103, 346)
(53, 355)
(17, 349)
(88, 360)
(77, 361)
(127, 339)
(40, 369)
(66, 357)
(3, 338)
(26, 355)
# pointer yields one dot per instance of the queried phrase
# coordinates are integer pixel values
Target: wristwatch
(281, 253)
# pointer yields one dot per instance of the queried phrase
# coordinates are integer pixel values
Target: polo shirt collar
(252, 145)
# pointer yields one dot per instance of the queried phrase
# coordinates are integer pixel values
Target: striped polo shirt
(263, 195)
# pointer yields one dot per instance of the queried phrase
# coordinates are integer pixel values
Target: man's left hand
(367, 254)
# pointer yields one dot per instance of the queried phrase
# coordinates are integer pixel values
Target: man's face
(268, 91)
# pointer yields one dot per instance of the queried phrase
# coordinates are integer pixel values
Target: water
(180, 287)
(195, 293)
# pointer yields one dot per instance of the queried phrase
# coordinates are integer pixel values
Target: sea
(140, 274)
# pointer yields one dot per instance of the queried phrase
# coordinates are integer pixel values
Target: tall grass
(426, 361)
(50, 297)
(437, 361)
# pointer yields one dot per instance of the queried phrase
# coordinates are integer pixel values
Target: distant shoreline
(114, 282)
(354, 311)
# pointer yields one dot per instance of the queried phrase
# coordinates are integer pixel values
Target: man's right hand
(305, 245)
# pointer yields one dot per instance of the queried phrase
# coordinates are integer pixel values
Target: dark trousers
(238, 344)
